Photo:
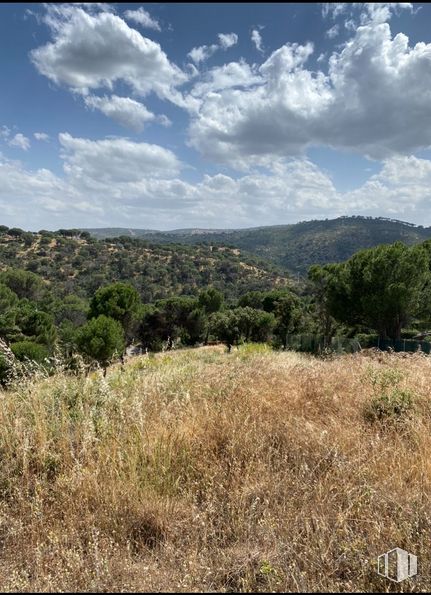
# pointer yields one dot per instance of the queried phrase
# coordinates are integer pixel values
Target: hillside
(76, 263)
(296, 247)
(200, 471)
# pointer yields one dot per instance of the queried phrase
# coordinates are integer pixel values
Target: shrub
(395, 405)
(27, 350)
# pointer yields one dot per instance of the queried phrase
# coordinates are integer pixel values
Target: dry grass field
(203, 471)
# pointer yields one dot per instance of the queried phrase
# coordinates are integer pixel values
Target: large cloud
(137, 184)
(374, 99)
(90, 51)
(104, 162)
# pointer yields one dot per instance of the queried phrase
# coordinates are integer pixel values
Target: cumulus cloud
(127, 112)
(20, 141)
(41, 136)
(141, 184)
(91, 51)
(233, 74)
(203, 52)
(115, 160)
(374, 99)
(227, 40)
(143, 18)
(256, 38)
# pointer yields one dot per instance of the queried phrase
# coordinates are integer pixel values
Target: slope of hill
(296, 247)
(80, 264)
(199, 471)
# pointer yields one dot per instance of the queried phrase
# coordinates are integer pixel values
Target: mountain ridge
(295, 246)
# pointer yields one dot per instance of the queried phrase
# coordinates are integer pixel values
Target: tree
(101, 339)
(8, 312)
(287, 312)
(210, 300)
(225, 326)
(119, 301)
(320, 277)
(24, 283)
(36, 325)
(379, 288)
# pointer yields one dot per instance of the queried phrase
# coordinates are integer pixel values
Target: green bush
(27, 350)
(390, 402)
(395, 405)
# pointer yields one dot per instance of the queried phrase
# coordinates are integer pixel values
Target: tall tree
(379, 288)
(119, 301)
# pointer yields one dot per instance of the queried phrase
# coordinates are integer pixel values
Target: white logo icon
(397, 565)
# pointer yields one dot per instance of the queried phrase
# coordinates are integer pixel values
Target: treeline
(38, 326)
(383, 291)
(75, 263)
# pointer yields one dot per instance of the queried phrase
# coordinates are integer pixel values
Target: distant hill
(294, 247)
(74, 262)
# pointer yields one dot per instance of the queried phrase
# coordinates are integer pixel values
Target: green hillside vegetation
(296, 247)
(74, 263)
(78, 297)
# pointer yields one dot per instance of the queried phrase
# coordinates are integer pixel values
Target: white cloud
(142, 17)
(127, 112)
(41, 136)
(203, 52)
(102, 162)
(233, 74)
(91, 51)
(333, 32)
(5, 132)
(20, 141)
(256, 38)
(227, 40)
(375, 99)
(129, 183)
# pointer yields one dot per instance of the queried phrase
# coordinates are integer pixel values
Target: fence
(401, 345)
(320, 344)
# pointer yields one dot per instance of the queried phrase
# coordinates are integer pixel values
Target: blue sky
(213, 115)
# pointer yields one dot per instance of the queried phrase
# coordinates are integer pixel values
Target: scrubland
(199, 470)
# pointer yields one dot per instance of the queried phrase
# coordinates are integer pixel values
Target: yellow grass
(203, 471)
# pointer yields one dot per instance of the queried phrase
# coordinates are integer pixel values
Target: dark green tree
(119, 301)
(24, 283)
(225, 326)
(101, 339)
(379, 288)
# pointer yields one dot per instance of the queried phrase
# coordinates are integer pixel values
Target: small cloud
(227, 40)
(333, 32)
(20, 141)
(164, 120)
(142, 17)
(4, 132)
(256, 38)
(41, 136)
(203, 52)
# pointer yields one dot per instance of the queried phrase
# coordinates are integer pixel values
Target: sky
(223, 115)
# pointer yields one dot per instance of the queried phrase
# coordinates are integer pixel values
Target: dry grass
(202, 471)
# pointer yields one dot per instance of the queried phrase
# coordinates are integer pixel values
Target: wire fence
(321, 344)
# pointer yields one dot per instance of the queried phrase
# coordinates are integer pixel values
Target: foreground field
(204, 471)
